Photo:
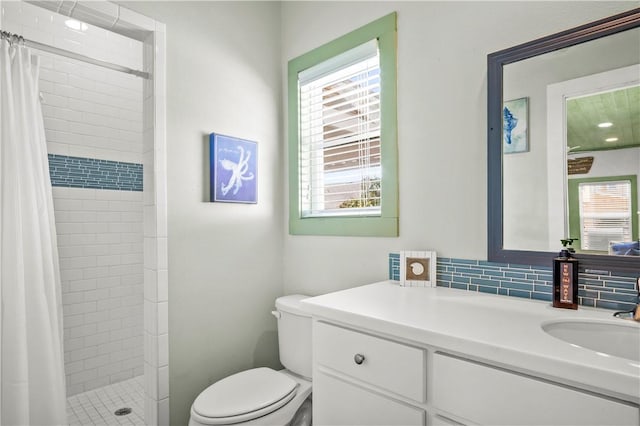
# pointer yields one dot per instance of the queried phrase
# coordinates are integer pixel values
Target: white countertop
(499, 330)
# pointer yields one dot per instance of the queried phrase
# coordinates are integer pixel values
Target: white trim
(336, 63)
(103, 14)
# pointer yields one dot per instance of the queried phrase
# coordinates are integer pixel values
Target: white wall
(616, 162)
(95, 113)
(225, 260)
(442, 88)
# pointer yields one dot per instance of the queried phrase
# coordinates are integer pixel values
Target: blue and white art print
(233, 168)
(515, 126)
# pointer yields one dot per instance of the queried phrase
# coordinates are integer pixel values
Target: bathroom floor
(97, 406)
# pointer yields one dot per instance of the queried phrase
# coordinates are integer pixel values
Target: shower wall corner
(156, 297)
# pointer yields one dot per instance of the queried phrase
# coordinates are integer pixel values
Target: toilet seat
(244, 396)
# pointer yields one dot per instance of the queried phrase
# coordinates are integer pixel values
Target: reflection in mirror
(536, 214)
(571, 177)
(603, 145)
(582, 113)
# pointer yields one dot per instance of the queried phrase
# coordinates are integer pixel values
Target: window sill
(354, 226)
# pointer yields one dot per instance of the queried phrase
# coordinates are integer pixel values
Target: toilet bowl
(263, 396)
(260, 396)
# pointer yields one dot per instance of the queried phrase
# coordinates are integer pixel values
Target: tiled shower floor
(97, 407)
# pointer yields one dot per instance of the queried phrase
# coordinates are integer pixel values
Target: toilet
(263, 396)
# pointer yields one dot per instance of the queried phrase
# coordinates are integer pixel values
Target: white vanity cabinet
(363, 379)
(385, 355)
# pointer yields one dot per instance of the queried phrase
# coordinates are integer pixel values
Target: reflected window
(605, 214)
(604, 210)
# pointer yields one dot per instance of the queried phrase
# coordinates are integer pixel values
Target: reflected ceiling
(621, 108)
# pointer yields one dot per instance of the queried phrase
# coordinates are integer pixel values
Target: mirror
(552, 172)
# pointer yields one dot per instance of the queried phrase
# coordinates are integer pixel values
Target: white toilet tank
(294, 334)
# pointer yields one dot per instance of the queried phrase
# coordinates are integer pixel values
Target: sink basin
(608, 338)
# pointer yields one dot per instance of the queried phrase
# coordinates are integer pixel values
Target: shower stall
(101, 85)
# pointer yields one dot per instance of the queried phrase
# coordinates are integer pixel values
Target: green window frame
(574, 203)
(386, 223)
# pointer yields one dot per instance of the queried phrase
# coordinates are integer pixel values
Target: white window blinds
(339, 125)
(605, 214)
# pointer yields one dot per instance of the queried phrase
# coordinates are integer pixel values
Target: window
(342, 135)
(339, 135)
(603, 208)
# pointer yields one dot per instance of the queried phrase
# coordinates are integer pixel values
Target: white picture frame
(418, 268)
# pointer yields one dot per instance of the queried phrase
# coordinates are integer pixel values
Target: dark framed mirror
(515, 235)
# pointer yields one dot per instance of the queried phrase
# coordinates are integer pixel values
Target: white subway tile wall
(100, 249)
(89, 111)
(93, 112)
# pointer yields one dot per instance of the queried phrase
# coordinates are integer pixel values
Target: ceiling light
(76, 25)
(605, 124)
(611, 140)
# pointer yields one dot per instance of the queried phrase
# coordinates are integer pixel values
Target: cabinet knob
(358, 358)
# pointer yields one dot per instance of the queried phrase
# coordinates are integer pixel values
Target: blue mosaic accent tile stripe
(600, 290)
(78, 172)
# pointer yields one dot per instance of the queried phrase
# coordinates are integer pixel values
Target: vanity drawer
(491, 396)
(392, 366)
(337, 402)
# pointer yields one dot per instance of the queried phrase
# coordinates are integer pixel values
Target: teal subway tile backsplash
(600, 290)
(485, 289)
(79, 172)
(394, 266)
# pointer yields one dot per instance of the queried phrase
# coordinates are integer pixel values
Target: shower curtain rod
(66, 53)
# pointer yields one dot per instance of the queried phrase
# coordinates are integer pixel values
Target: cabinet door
(336, 402)
(489, 396)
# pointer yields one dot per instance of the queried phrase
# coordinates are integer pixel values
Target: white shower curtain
(31, 353)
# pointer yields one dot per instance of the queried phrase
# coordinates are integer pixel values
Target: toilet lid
(250, 391)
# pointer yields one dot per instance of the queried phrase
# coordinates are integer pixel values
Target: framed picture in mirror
(515, 126)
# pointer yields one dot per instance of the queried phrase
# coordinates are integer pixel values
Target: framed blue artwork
(515, 126)
(233, 169)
